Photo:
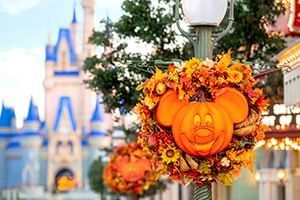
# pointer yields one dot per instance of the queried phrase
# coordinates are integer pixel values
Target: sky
(25, 28)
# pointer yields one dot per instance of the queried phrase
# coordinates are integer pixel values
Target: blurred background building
(35, 156)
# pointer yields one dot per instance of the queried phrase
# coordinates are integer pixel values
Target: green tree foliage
(117, 73)
(250, 42)
(95, 177)
(249, 39)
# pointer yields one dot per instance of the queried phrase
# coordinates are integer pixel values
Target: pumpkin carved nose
(203, 136)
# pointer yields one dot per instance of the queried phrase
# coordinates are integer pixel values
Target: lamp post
(203, 16)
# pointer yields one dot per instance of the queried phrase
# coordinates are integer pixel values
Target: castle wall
(15, 165)
(2, 168)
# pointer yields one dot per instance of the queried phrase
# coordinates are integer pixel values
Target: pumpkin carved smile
(203, 128)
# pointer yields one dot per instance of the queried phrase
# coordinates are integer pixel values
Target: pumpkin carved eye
(208, 120)
(197, 120)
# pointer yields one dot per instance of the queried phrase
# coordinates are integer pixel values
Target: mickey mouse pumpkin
(133, 170)
(202, 128)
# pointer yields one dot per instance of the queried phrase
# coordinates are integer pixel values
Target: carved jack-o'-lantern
(133, 170)
(203, 128)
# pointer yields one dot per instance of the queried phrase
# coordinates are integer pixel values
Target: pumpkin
(133, 170)
(168, 107)
(203, 128)
(234, 103)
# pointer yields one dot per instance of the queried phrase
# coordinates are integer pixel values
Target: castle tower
(64, 146)
(6, 126)
(32, 121)
(30, 144)
(69, 104)
(98, 129)
(97, 137)
(88, 50)
(88, 25)
(64, 89)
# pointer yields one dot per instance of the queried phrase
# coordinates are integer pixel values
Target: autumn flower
(192, 65)
(234, 76)
(225, 162)
(170, 155)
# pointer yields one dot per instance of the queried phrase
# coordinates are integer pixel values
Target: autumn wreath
(130, 171)
(201, 120)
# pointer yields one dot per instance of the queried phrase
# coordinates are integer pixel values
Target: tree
(95, 177)
(250, 41)
(118, 73)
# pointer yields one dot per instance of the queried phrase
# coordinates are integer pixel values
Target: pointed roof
(97, 115)
(52, 52)
(33, 113)
(74, 19)
(109, 30)
(65, 104)
(7, 114)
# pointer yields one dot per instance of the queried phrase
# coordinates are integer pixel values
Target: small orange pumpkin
(133, 170)
(203, 128)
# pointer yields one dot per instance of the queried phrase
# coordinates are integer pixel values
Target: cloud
(17, 6)
(21, 76)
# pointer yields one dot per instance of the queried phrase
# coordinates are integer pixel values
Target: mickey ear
(235, 104)
(168, 107)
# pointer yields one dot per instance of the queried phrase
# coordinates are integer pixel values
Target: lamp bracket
(220, 35)
(216, 37)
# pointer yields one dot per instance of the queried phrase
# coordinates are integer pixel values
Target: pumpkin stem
(200, 96)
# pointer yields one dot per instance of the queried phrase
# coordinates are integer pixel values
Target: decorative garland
(130, 171)
(201, 120)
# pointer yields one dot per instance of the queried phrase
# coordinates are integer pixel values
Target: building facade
(64, 143)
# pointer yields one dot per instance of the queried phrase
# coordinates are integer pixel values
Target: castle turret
(32, 121)
(109, 35)
(74, 30)
(98, 137)
(7, 119)
(88, 25)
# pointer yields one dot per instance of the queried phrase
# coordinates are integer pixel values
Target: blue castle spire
(74, 19)
(33, 114)
(97, 115)
(6, 117)
(96, 121)
(109, 32)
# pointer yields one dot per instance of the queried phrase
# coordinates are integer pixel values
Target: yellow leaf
(140, 87)
(225, 61)
(149, 102)
(159, 75)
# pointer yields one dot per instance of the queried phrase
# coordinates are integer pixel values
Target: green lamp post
(203, 16)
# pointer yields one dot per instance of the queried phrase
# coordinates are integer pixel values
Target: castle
(69, 138)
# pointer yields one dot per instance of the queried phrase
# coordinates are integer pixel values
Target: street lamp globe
(204, 12)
